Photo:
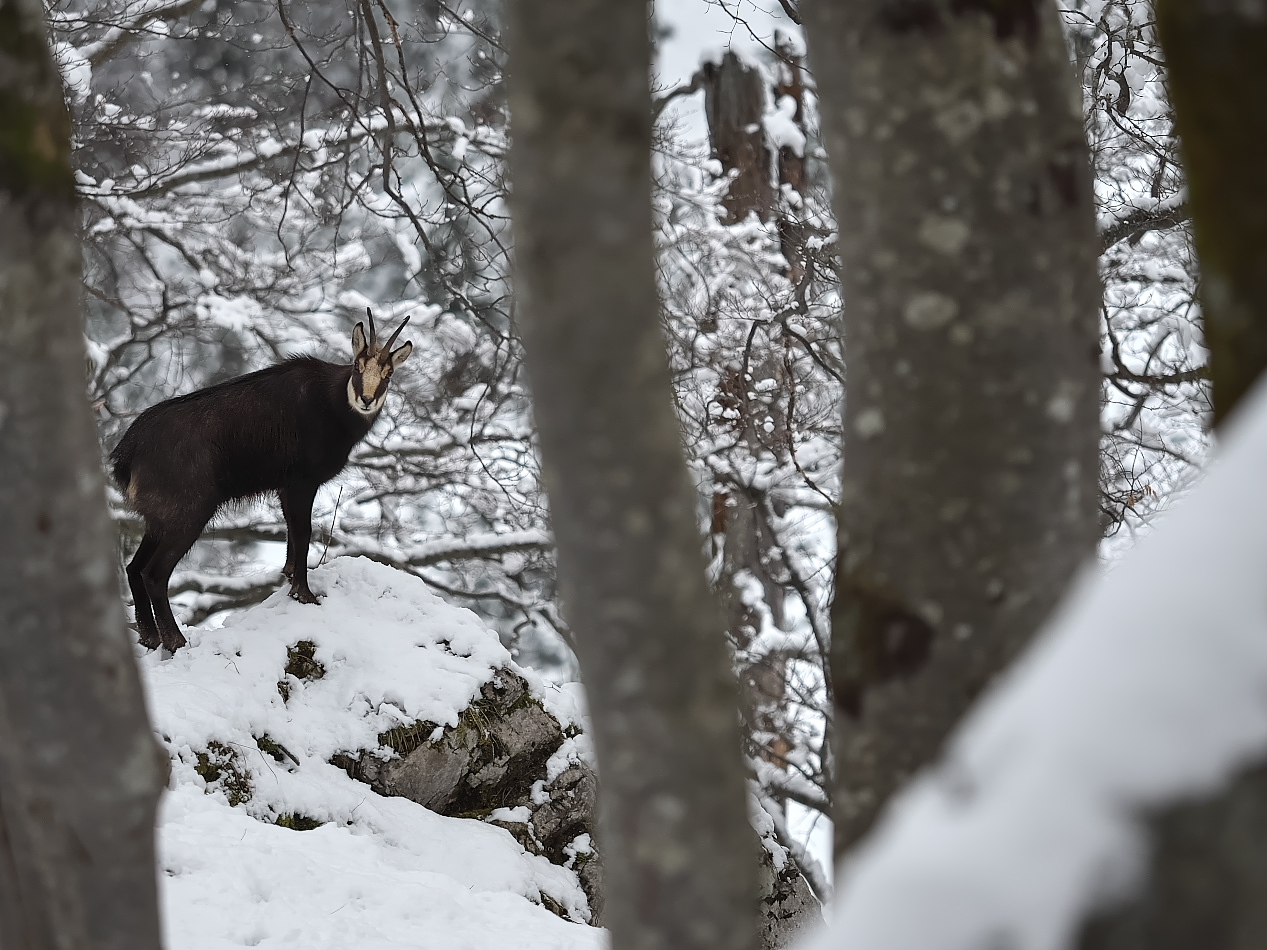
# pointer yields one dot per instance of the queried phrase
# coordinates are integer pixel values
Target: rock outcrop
(414, 701)
(511, 763)
(508, 762)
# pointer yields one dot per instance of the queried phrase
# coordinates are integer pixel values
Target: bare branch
(117, 37)
(1139, 222)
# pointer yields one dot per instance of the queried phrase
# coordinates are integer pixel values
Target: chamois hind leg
(174, 543)
(298, 510)
(140, 596)
(288, 571)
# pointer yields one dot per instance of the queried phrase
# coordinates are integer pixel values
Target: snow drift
(1149, 687)
(263, 842)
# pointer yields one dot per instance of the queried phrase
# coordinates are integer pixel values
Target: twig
(330, 535)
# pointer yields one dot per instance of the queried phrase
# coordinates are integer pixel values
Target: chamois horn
(387, 346)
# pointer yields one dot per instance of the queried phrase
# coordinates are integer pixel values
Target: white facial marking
(355, 402)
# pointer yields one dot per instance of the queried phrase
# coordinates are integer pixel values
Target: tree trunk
(967, 239)
(1216, 51)
(734, 103)
(1208, 878)
(680, 858)
(80, 772)
(1208, 870)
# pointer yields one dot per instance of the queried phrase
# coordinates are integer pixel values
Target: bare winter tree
(80, 772)
(677, 849)
(968, 248)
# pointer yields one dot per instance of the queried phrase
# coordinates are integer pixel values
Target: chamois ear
(399, 356)
(358, 341)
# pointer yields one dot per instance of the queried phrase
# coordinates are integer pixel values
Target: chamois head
(372, 366)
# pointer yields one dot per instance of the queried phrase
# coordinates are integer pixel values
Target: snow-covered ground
(1149, 687)
(377, 873)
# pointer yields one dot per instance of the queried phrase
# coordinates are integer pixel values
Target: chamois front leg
(297, 506)
(288, 570)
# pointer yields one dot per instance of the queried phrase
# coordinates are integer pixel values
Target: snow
(1149, 687)
(75, 69)
(379, 872)
(781, 127)
(691, 33)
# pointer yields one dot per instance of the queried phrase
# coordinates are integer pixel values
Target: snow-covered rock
(507, 761)
(265, 842)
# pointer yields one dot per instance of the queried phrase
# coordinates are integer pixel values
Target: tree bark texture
(1207, 876)
(1216, 51)
(734, 103)
(80, 772)
(1207, 881)
(680, 868)
(968, 249)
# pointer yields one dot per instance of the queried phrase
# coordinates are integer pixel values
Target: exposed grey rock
(490, 759)
(788, 908)
(495, 765)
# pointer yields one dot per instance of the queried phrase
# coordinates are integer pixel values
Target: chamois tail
(121, 460)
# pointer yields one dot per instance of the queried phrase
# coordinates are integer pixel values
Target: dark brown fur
(287, 429)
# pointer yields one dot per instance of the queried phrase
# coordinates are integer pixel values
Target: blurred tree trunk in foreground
(80, 773)
(1216, 58)
(678, 851)
(968, 247)
(1207, 879)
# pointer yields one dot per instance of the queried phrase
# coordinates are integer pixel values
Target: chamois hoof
(172, 644)
(151, 641)
(304, 596)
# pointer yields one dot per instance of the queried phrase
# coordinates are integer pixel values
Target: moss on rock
(221, 768)
(302, 664)
(297, 822)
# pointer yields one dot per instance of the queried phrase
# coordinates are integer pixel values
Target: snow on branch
(1142, 220)
(788, 785)
(808, 864)
(236, 160)
(116, 37)
(468, 547)
(1147, 688)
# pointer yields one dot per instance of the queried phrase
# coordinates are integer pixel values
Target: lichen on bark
(34, 121)
(967, 241)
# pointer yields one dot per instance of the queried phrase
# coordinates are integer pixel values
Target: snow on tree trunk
(80, 773)
(1121, 757)
(675, 839)
(1215, 51)
(734, 103)
(968, 251)
(1207, 875)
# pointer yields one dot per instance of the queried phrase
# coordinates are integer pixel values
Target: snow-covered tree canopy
(255, 174)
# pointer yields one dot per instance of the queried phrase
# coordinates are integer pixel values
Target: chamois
(287, 429)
